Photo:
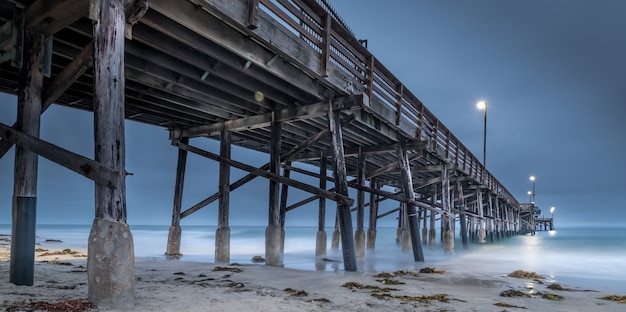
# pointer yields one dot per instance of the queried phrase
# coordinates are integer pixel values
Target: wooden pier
(286, 78)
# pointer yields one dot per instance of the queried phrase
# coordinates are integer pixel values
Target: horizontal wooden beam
(84, 166)
(344, 200)
(260, 121)
(48, 17)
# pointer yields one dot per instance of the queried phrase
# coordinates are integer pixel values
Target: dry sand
(174, 285)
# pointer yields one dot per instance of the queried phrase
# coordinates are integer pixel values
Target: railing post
(326, 44)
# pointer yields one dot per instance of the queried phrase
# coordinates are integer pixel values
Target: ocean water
(587, 258)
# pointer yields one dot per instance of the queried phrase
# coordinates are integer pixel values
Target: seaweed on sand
(525, 274)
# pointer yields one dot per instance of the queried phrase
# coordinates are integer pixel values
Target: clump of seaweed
(506, 305)
(389, 281)
(551, 296)
(296, 292)
(425, 299)
(352, 285)
(384, 275)
(428, 270)
(525, 274)
(514, 293)
(618, 299)
(66, 251)
(65, 306)
(221, 268)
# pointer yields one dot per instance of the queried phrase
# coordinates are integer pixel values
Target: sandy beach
(175, 285)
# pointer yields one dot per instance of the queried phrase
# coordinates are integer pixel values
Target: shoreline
(165, 285)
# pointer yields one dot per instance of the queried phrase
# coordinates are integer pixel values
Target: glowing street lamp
(551, 212)
(532, 196)
(483, 105)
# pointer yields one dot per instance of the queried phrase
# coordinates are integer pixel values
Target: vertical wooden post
(341, 187)
(373, 220)
(334, 244)
(284, 192)
(174, 235)
(462, 217)
(448, 221)
(432, 233)
(274, 232)
(411, 213)
(492, 220)
(222, 233)
(498, 219)
(321, 238)
(110, 262)
(425, 228)
(22, 263)
(359, 234)
(482, 235)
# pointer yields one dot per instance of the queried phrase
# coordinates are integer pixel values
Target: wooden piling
(321, 237)
(24, 211)
(359, 234)
(482, 234)
(341, 187)
(274, 231)
(373, 219)
(175, 231)
(222, 233)
(447, 219)
(432, 234)
(462, 216)
(411, 213)
(110, 262)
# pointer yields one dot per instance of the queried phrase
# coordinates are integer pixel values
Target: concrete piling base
(320, 243)
(110, 265)
(432, 237)
(448, 242)
(335, 242)
(406, 240)
(482, 236)
(273, 245)
(173, 242)
(371, 239)
(222, 244)
(359, 243)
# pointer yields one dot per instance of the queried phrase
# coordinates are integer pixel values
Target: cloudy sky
(553, 73)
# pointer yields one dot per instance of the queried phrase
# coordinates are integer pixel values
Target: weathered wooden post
(425, 228)
(110, 262)
(482, 234)
(222, 233)
(334, 244)
(359, 234)
(462, 217)
(22, 263)
(447, 219)
(175, 231)
(341, 187)
(492, 219)
(274, 231)
(411, 213)
(321, 238)
(432, 233)
(373, 220)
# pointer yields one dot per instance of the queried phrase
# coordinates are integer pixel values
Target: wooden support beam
(110, 262)
(84, 166)
(359, 235)
(24, 210)
(174, 233)
(222, 234)
(462, 216)
(373, 216)
(411, 213)
(48, 17)
(341, 184)
(265, 174)
(264, 120)
(284, 192)
(321, 224)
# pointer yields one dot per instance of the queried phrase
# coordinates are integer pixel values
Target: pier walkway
(286, 78)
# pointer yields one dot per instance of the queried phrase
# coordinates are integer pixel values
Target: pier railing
(316, 23)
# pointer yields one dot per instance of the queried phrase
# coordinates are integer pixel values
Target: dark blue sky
(553, 73)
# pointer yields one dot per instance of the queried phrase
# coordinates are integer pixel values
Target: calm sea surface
(591, 258)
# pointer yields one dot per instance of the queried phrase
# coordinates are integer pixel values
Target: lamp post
(483, 105)
(551, 212)
(532, 197)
